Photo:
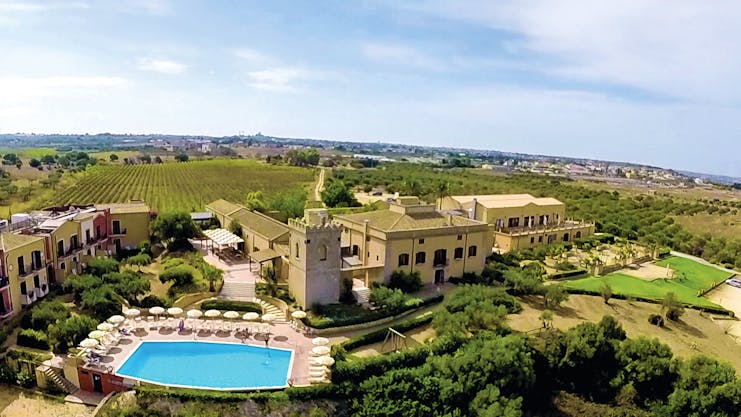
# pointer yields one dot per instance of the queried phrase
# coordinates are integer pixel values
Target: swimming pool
(208, 365)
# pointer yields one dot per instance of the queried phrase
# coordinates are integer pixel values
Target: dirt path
(319, 186)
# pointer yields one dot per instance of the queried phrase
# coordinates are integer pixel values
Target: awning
(222, 237)
(264, 255)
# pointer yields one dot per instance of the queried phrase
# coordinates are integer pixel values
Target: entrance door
(439, 276)
(97, 383)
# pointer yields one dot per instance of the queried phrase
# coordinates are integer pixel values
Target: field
(28, 153)
(696, 333)
(690, 278)
(717, 225)
(181, 186)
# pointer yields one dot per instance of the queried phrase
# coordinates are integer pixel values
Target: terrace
(259, 334)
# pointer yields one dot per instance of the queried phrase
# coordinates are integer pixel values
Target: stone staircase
(362, 294)
(268, 308)
(238, 291)
(57, 379)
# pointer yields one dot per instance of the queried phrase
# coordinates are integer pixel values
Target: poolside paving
(281, 336)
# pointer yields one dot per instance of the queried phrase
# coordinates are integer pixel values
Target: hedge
(713, 310)
(567, 274)
(379, 335)
(155, 393)
(323, 323)
(33, 339)
(247, 306)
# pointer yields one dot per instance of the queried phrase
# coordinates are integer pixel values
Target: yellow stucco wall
(137, 229)
(506, 242)
(555, 213)
(65, 232)
(11, 262)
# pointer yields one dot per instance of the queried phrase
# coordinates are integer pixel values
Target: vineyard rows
(181, 186)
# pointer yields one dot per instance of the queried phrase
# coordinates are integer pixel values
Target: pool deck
(281, 336)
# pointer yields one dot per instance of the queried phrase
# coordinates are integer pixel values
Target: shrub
(564, 266)
(101, 265)
(25, 379)
(388, 298)
(406, 282)
(33, 339)
(567, 274)
(339, 320)
(246, 306)
(46, 313)
(154, 301)
(180, 275)
(656, 320)
(71, 331)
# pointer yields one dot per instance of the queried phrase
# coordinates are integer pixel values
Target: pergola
(222, 238)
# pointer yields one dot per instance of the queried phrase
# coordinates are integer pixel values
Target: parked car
(734, 282)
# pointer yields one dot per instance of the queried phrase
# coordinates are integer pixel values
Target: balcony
(28, 298)
(439, 263)
(119, 232)
(41, 290)
(537, 229)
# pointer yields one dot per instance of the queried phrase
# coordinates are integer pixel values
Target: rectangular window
(458, 253)
(540, 239)
(471, 251)
(21, 266)
(116, 227)
(532, 240)
(460, 237)
(404, 259)
(60, 248)
(421, 241)
(419, 258)
(513, 222)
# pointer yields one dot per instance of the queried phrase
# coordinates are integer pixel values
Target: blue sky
(635, 81)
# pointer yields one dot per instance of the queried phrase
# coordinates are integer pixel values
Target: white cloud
(283, 79)
(253, 56)
(162, 66)
(685, 49)
(17, 89)
(398, 54)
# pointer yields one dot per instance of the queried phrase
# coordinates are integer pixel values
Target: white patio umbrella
(88, 343)
(174, 311)
(96, 334)
(194, 314)
(132, 312)
(299, 314)
(251, 316)
(231, 315)
(267, 318)
(106, 327)
(320, 350)
(117, 319)
(319, 341)
(212, 313)
(325, 360)
(157, 310)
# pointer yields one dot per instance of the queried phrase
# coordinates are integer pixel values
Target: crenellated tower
(315, 259)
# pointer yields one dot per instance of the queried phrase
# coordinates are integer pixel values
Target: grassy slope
(697, 277)
(717, 225)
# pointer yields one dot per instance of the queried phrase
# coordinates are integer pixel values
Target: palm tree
(271, 281)
(442, 191)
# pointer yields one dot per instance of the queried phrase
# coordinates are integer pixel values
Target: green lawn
(696, 277)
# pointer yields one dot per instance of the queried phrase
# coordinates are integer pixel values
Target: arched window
(565, 237)
(323, 252)
(404, 259)
(578, 235)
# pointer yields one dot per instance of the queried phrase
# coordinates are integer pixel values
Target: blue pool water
(208, 365)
